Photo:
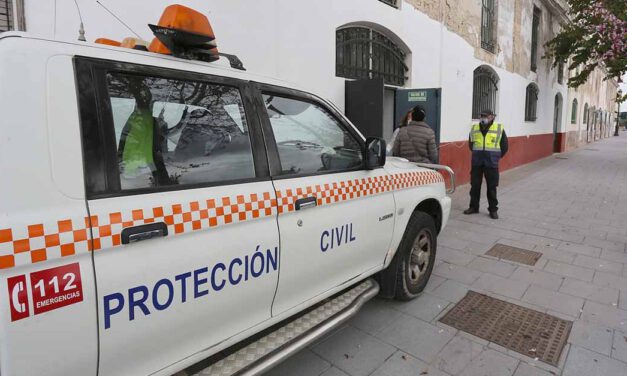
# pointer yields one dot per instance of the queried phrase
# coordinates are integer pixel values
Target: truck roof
(96, 50)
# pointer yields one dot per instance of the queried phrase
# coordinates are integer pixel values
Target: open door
(364, 105)
(429, 99)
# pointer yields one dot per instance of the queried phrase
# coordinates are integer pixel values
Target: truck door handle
(144, 232)
(307, 202)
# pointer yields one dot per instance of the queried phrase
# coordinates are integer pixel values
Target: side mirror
(375, 153)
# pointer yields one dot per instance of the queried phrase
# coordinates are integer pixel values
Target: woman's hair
(418, 113)
(405, 119)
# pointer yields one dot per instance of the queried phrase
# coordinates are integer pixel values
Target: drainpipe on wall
(18, 15)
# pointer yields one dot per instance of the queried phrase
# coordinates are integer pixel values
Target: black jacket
(483, 158)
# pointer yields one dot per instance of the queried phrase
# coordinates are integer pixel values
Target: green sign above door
(417, 96)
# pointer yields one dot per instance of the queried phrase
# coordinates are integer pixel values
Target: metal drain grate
(514, 254)
(560, 157)
(531, 333)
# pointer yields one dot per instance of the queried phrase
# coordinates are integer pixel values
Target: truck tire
(414, 259)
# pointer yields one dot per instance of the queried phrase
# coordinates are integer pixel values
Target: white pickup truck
(158, 211)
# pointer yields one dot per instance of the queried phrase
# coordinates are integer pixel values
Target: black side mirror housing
(375, 153)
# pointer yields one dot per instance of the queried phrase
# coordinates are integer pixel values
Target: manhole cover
(506, 252)
(531, 333)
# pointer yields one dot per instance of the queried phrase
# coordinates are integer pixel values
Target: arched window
(585, 113)
(573, 117)
(531, 102)
(365, 53)
(485, 84)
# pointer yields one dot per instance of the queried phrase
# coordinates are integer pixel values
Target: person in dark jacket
(416, 141)
(488, 143)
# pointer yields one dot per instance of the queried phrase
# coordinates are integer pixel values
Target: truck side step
(265, 353)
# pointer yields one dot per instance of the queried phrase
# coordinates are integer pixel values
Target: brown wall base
(522, 150)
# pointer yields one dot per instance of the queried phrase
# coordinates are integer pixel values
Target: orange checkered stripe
(351, 189)
(68, 237)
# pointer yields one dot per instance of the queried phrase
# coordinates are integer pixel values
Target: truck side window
(309, 139)
(175, 132)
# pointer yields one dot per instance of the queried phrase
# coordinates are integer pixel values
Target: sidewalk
(573, 211)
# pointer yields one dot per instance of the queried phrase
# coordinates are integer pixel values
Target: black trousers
(492, 180)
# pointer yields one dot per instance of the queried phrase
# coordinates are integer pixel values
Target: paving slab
(554, 300)
(583, 362)
(507, 287)
(538, 277)
(427, 308)
(493, 266)
(403, 364)
(491, 363)
(619, 348)
(599, 294)
(457, 355)
(566, 270)
(592, 337)
(457, 273)
(417, 337)
(354, 352)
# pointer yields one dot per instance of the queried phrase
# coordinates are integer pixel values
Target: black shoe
(471, 211)
(494, 215)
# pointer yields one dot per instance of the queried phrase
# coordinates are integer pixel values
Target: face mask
(485, 121)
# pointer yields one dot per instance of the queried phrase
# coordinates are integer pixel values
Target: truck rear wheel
(413, 262)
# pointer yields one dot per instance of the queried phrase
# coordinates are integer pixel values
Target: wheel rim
(420, 256)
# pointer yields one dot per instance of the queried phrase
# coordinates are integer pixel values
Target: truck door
(335, 217)
(182, 213)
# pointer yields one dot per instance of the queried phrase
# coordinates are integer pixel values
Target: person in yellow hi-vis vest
(488, 143)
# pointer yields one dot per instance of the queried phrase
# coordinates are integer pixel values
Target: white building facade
(479, 53)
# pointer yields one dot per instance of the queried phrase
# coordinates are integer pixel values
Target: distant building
(374, 58)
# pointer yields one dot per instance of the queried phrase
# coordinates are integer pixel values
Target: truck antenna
(117, 18)
(81, 29)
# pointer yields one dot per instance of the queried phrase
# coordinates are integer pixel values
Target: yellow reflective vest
(491, 141)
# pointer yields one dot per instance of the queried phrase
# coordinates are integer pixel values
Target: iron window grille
(365, 53)
(573, 118)
(535, 29)
(531, 102)
(6, 16)
(485, 87)
(487, 25)
(393, 3)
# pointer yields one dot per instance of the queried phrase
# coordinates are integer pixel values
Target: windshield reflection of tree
(308, 138)
(202, 133)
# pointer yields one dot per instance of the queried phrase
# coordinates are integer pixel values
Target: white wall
(294, 40)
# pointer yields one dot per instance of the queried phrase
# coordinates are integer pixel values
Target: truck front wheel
(414, 259)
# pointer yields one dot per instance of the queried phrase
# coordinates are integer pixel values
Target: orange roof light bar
(108, 42)
(182, 27)
(187, 34)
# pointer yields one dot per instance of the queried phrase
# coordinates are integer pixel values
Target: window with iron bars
(365, 53)
(560, 73)
(535, 30)
(485, 87)
(531, 102)
(7, 22)
(488, 25)
(573, 117)
(393, 3)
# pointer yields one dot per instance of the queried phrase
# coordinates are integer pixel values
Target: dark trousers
(492, 180)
